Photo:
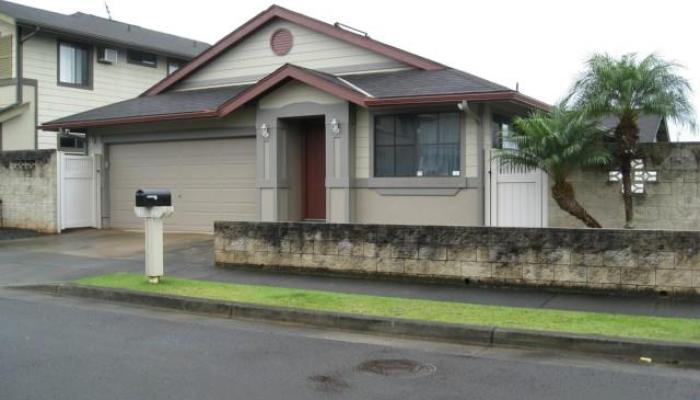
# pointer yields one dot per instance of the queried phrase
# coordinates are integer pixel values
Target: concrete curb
(452, 333)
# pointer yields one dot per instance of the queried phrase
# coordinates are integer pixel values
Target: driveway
(82, 253)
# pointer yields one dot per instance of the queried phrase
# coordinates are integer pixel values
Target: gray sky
(541, 44)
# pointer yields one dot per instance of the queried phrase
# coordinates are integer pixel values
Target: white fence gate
(76, 191)
(517, 196)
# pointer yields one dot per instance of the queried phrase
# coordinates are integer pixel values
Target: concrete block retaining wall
(630, 260)
(28, 189)
(673, 202)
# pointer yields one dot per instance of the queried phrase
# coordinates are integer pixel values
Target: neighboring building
(72, 63)
(291, 118)
(652, 128)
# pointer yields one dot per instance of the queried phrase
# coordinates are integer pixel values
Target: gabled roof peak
(275, 11)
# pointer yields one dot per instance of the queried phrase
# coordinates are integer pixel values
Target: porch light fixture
(335, 127)
(264, 131)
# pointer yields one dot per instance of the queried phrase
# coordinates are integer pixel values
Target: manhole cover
(397, 368)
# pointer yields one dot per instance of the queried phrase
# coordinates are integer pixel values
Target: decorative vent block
(281, 41)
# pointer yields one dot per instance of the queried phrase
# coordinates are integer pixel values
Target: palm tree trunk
(626, 170)
(563, 194)
(626, 137)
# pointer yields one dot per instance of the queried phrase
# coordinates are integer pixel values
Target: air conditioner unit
(107, 55)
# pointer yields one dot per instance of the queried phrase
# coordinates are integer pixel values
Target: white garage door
(209, 179)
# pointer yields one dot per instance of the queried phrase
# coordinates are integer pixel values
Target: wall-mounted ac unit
(107, 55)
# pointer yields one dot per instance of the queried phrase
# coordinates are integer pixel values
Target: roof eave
(286, 73)
(104, 39)
(509, 95)
(55, 126)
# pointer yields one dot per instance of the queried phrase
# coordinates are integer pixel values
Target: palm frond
(558, 142)
(630, 87)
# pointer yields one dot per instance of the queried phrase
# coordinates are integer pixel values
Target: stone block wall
(28, 190)
(624, 260)
(671, 203)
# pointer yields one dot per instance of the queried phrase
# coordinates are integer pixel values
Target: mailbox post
(154, 205)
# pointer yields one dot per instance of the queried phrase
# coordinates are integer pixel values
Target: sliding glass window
(74, 64)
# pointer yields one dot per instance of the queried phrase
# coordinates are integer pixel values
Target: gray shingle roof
(380, 85)
(105, 30)
(652, 128)
(419, 82)
(166, 103)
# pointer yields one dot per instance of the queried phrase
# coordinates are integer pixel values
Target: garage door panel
(209, 180)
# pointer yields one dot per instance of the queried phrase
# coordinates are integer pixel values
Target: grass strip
(608, 324)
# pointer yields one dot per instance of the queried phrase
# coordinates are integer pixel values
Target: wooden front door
(314, 169)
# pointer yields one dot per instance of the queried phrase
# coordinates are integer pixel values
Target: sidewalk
(527, 298)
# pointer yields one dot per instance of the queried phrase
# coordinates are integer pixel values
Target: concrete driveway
(81, 253)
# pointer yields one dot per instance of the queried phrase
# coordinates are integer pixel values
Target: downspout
(20, 75)
(18, 61)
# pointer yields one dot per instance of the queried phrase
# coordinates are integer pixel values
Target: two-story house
(53, 65)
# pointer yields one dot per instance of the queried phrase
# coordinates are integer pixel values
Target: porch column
(338, 164)
(268, 153)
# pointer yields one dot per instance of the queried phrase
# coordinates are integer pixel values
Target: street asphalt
(71, 348)
(67, 348)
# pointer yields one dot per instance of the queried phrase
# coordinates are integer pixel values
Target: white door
(77, 191)
(518, 196)
(209, 180)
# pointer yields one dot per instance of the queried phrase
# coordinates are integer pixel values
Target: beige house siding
(18, 130)
(471, 128)
(371, 207)
(252, 58)
(295, 93)
(362, 130)
(111, 83)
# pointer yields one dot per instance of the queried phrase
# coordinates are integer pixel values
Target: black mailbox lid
(153, 198)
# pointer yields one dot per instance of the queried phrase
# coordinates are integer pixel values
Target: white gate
(77, 191)
(518, 196)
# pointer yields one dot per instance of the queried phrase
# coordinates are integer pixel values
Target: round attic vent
(281, 41)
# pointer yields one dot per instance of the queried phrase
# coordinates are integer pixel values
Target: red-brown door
(314, 172)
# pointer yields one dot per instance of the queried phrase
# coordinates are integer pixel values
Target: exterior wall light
(264, 131)
(335, 127)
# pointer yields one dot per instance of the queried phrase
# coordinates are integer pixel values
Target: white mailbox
(153, 205)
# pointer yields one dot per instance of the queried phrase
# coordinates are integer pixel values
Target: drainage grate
(397, 368)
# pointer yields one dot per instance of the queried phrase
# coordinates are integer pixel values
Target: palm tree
(628, 88)
(559, 143)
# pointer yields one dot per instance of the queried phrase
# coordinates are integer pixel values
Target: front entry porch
(303, 156)
(303, 165)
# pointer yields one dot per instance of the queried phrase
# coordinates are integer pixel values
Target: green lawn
(670, 329)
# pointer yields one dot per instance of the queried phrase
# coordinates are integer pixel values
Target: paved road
(63, 348)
